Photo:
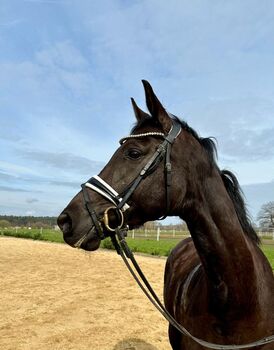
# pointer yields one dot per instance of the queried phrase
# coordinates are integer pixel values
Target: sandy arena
(54, 297)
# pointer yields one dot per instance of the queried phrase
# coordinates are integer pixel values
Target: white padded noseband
(104, 194)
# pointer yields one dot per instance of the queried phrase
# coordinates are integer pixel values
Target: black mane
(229, 179)
(236, 194)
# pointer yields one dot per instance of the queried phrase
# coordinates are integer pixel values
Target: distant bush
(107, 244)
(4, 223)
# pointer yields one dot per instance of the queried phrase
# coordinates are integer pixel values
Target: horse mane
(236, 194)
(229, 179)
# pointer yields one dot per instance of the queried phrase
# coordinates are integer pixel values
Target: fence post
(158, 234)
(173, 232)
(133, 234)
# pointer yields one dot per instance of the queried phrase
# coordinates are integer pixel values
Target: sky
(68, 69)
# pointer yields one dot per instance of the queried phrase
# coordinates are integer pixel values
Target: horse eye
(134, 154)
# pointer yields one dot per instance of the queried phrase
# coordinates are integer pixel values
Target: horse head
(157, 194)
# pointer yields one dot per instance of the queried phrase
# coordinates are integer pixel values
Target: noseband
(119, 202)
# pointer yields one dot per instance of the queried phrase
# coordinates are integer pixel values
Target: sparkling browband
(152, 133)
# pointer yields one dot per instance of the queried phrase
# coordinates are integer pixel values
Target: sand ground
(58, 298)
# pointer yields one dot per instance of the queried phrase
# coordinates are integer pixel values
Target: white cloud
(15, 170)
(11, 23)
(62, 54)
(63, 161)
(65, 86)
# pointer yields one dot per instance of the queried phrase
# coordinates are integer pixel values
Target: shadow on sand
(134, 344)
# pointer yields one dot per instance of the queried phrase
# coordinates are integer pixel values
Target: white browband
(151, 133)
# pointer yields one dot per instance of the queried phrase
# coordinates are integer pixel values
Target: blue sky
(69, 68)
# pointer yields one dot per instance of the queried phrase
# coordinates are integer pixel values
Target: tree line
(27, 221)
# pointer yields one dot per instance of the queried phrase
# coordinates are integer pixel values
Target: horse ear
(156, 108)
(139, 114)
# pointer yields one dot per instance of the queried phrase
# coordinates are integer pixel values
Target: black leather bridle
(120, 200)
(103, 228)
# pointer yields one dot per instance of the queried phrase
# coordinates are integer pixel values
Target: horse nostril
(65, 223)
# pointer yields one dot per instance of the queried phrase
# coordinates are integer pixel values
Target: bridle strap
(168, 176)
(168, 168)
(148, 168)
(163, 149)
(92, 212)
(120, 201)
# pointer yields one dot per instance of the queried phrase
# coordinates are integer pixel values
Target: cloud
(67, 161)
(72, 184)
(11, 23)
(13, 189)
(32, 200)
(250, 145)
(65, 86)
(243, 126)
(7, 177)
(62, 54)
(33, 183)
(17, 170)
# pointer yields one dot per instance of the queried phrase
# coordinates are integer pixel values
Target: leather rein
(118, 234)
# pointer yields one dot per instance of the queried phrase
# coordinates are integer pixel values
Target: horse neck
(224, 249)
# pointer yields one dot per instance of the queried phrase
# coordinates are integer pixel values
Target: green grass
(163, 248)
(147, 246)
(46, 235)
(151, 247)
(269, 253)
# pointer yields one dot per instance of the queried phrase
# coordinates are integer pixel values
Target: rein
(120, 231)
(123, 249)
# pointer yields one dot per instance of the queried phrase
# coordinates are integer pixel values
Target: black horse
(218, 283)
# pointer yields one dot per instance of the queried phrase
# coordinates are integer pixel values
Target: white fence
(164, 234)
(267, 235)
(158, 234)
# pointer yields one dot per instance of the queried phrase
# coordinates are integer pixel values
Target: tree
(4, 223)
(266, 215)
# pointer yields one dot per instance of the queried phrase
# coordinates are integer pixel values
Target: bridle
(119, 201)
(103, 228)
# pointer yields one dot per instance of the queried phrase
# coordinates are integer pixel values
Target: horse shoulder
(181, 261)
